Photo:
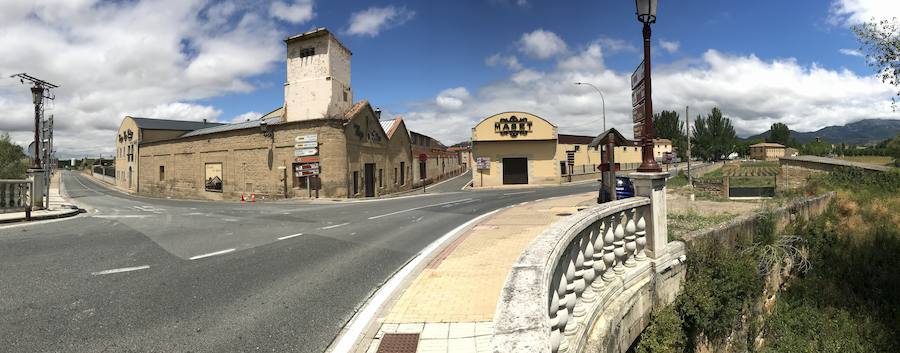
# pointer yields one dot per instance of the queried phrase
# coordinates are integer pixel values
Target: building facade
(766, 151)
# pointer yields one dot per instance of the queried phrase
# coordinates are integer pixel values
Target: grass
(879, 160)
(678, 181)
(751, 181)
(680, 224)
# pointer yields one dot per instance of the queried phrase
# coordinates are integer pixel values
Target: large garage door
(515, 170)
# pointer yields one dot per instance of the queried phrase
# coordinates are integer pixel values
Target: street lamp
(37, 96)
(602, 100)
(646, 14)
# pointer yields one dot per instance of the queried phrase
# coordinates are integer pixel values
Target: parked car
(624, 187)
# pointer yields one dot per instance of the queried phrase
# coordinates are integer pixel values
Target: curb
(69, 213)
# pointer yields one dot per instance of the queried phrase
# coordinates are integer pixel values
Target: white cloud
(111, 59)
(850, 12)
(613, 45)
(669, 46)
(452, 98)
(851, 52)
(542, 44)
(373, 20)
(246, 116)
(752, 92)
(299, 11)
(510, 61)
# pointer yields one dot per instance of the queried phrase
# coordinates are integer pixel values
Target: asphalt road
(202, 276)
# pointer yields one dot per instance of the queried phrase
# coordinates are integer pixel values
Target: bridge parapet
(590, 281)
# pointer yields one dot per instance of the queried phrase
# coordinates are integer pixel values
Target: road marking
(417, 208)
(212, 254)
(122, 216)
(290, 236)
(353, 329)
(518, 193)
(335, 226)
(460, 174)
(120, 270)
(457, 204)
(85, 186)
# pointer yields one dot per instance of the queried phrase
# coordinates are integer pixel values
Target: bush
(664, 334)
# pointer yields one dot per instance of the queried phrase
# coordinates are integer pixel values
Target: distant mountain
(858, 133)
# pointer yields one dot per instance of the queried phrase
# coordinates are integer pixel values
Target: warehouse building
(318, 144)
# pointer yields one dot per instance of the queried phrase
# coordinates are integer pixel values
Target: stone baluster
(630, 239)
(619, 244)
(599, 265)
(590, 274)
(580, 284)
(641, 233)
(609, 245)
(571, 297)
(561, 315)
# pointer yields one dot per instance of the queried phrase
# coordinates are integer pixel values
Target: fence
(15, 195)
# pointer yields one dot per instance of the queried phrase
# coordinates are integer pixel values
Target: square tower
(318, 77)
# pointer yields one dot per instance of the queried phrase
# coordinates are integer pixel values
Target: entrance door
(515, 170)
(129, 177)
(370, 179)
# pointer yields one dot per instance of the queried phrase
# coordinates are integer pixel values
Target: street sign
(423, 157)
(306, 138)
(570, 157)
(307, 166)
(306, 160)
(304, 173)
(638, 76)
(637, 95)
(483, 162)
(306, 145)
(637, 113)
(638, 130)
(306, 152)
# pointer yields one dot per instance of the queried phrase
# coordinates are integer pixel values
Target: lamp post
(602, 100)
(37, 96)
(646, 14)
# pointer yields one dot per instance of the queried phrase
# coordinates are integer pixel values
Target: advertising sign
(306, 138)
(306, 152)
(483, 162)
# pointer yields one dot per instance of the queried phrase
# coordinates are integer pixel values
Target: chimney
(204, 121)
(378, 113)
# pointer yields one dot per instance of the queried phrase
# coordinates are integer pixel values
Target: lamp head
(646, 10)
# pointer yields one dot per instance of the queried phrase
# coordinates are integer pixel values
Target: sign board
(306, 145)
(638, 76)
(305, 152)
(306, 169)
(637, 113)
(570, 157)
(483, 162)
(305, 166)
(306, 173)
(306, 138)
(306, 160)
(423, 157)
(638, 130)
(637, 95)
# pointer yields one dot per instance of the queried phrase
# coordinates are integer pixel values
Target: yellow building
(766, 151)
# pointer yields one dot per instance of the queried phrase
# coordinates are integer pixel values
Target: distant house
(766, 151)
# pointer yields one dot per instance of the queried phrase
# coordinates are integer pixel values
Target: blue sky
(443, 66)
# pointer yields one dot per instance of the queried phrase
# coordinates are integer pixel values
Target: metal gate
(515, 170)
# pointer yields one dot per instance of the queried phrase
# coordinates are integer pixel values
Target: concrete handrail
(542, 302)
(15, 195)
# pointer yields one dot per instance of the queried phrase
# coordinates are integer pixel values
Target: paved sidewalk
(451, 302)
(58, 207)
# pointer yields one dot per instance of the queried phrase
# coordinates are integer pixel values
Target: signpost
(306, 161)
(483, 163)
(638, 98)
(305, 152)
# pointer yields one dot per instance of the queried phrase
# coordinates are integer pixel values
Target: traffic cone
(242, 198)
(253, 197)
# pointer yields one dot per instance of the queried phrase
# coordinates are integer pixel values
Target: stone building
(438, 162)
(318, 144)
(766, 151)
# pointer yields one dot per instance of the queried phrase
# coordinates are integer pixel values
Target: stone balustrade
(15, 195)
(575, 287)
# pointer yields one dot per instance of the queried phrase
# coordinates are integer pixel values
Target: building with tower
(319, 143)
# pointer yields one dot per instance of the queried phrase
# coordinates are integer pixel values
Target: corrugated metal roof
(231, 127)
(387, 125)
(573, 139)
(166, 124)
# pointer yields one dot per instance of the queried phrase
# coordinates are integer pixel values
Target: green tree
(742, 147)
(816, 148)
(713, 137)
(12, 159)
(779, 133)
(893, 149)
(668, 125)
(881, 42)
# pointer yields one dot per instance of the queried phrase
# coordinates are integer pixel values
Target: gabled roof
(166, 124)
(574, 139)
(767, 144)
(275, 120)
(389, 126)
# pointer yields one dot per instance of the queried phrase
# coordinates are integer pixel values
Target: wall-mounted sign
(423, 157)
(306, 145)
(306, 160)
(570, 157)
(306, 138)
(483, 162)
(306, 152)
(638, 76)
(513, 126)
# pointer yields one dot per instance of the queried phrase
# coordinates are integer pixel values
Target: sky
(441, 65)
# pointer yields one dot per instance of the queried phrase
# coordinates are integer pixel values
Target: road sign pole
(648, 162)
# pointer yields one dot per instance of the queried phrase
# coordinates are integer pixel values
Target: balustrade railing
(15, 195)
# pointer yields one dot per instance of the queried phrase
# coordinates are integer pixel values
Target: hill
(858, 133)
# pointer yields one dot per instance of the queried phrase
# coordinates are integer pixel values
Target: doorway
(370, 179)
(515, 170)
(129, 177)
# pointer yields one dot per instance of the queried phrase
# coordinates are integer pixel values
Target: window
(577, 147)
(162, 173)
(345, 96)
(395, 176)
(562, 167)
(355, 182)
(380, 178)
(402, 173)
(305, 52)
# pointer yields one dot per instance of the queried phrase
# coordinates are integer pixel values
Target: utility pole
(687, 116)
(39, 171)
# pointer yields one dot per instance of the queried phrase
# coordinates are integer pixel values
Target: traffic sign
(570, 157)
(303, 173)
(305, 152)
(306, 160)
(638, 76)
(306, 138)
(307, 166)
(637, 95)
(306, 145)
(423, 157)
(483, 162)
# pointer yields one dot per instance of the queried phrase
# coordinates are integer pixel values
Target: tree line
(12, 159)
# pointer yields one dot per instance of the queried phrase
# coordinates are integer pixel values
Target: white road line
(335, 226)
(519, 193)
(85, 186)
(119, 270)
(433, 185)
(290, 236)
(212, 254)
(458, 203)
(417, 208)
(122, 216)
